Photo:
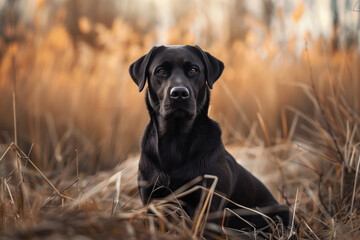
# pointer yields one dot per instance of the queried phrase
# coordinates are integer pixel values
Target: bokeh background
(291, 84)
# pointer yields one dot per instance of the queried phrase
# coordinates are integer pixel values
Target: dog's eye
(193, 70)
(161, 72)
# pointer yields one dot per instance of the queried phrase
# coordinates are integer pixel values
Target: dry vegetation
(79, 114)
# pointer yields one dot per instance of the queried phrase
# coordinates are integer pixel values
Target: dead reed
(295, 124)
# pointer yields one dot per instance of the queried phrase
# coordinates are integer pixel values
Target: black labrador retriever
(181, 142)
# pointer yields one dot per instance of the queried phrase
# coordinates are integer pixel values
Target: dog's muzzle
(181, 104)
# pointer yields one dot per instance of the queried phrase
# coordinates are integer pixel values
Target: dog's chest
(172, 153)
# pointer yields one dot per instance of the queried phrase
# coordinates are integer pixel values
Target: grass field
(68, 164)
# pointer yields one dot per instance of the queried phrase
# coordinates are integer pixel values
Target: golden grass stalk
(354, 190)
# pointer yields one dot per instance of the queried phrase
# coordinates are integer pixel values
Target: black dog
(181, 142)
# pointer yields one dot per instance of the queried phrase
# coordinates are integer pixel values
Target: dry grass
(294, 122)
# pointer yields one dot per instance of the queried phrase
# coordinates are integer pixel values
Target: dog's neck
(176, 127)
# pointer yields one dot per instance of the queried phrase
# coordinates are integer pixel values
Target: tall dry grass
(78, 111)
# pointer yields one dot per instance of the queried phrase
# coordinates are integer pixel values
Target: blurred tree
(96, 11)
(335, 25)
(237, 28)
(9, 17)
(141, 18)
(268, 11)
(358, 27)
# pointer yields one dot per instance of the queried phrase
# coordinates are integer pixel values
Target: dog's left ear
(214, 67)
(139, 68)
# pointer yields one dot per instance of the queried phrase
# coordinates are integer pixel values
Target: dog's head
(178, 79)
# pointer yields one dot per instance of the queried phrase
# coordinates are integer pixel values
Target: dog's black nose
(179, 93)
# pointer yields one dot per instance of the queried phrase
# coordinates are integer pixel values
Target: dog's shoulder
(206, 139)
(207, 127)
(149, 141)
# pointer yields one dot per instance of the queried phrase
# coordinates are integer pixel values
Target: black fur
(181, 142)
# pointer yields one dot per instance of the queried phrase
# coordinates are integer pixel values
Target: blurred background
(67, 62)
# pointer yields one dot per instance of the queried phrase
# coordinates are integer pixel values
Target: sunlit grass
(298, 117)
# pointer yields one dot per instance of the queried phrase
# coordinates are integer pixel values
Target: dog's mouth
(174, 111)
(178, 113)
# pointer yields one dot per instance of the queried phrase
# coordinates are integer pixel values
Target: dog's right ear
(138, 70)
